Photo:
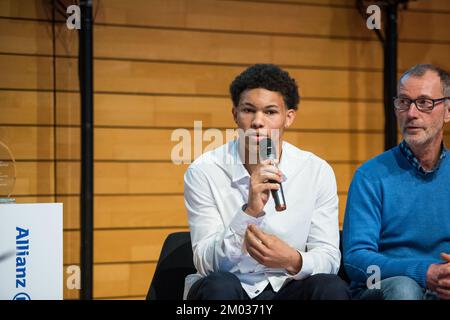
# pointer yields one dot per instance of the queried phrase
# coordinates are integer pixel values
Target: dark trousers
(226, 286)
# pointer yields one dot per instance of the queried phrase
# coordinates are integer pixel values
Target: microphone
(268, 151)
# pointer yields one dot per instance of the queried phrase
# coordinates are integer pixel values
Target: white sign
(31, 247)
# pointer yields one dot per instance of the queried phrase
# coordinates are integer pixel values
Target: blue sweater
(396, 218)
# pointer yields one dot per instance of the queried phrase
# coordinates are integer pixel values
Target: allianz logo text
(22, 251)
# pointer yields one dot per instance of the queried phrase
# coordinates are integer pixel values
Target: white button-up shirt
(216, 186)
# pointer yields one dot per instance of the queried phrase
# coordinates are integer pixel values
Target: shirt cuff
(307, 266)
(241, 220)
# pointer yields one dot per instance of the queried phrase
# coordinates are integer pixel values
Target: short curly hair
(266, 76)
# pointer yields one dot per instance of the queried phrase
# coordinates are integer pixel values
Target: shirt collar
(409, 155)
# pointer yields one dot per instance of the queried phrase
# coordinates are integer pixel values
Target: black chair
(175, 263)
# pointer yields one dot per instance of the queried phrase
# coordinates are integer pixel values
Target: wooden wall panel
(128, 211)
(181, 112)
(119, 42)
(25, 72)
(138, 178)
(151, 77)
(161, 65)
(34, 178)
(28, 142)
(26, 107)
(32, 9)
(71, 205)
(140, 144)
(31, 37)
(140, 211)
(122, 280)
(120, 245)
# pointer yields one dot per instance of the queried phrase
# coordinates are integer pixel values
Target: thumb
(445, 256)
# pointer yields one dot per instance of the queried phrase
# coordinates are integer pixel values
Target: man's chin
(415, 140)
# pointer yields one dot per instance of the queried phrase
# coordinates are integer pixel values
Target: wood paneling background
(161, 65)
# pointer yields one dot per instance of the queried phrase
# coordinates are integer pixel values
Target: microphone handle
(278, 197)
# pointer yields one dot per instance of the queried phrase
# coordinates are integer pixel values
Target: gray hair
(420, 69)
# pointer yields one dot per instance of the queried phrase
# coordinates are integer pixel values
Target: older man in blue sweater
(396, 234)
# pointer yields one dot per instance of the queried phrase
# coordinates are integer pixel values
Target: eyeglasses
(422, 104)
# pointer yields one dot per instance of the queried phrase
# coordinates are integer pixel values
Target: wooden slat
(438, 5)
(342, 205)
(154, 178)
(24, 9)
(123, 298)
(28, 142)
(236, 16)
(119, 245)
(139, 211)
(68, 143)
(339, 146)
(342, 3)
(34, 199)
(71, 205)
(138, 178)
(26, 107)
(213, 47)
(129, 245)
(149, 144)
(142, 211)
(29, 37)
(344, 174)
(181, 112)
(432, 26)
(121, 280)
(278, 18)
(410, 54)
(150, 77)
(68, 177)
(34, 178)
(68, 107)
(122, 211)
(71, 247)
(25, 72)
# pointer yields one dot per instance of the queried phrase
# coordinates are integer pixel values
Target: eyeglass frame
(435, 101)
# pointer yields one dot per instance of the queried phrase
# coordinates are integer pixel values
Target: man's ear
(234, 112)
(290, 117)
(447, 111)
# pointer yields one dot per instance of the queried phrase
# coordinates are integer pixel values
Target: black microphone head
(267, 149)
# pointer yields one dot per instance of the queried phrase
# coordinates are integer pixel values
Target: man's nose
(258, 120)
(413, 112)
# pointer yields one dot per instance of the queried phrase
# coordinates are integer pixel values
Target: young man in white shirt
(243, 248)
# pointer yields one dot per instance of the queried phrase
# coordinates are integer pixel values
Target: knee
(329, 287)
(221, 281)
(217, 286)
(401, 288)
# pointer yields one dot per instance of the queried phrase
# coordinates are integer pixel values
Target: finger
(270, 162)
(443, 294)
(253, 241)
(444, 272)
(267, 186)
(269, 168)
(255, 254)
(444, 283)
(264, 177)
(259, 234)
(445, 256)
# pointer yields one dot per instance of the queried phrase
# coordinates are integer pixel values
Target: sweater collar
(409, 155)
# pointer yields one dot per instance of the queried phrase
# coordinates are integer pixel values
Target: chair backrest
(175, 263)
